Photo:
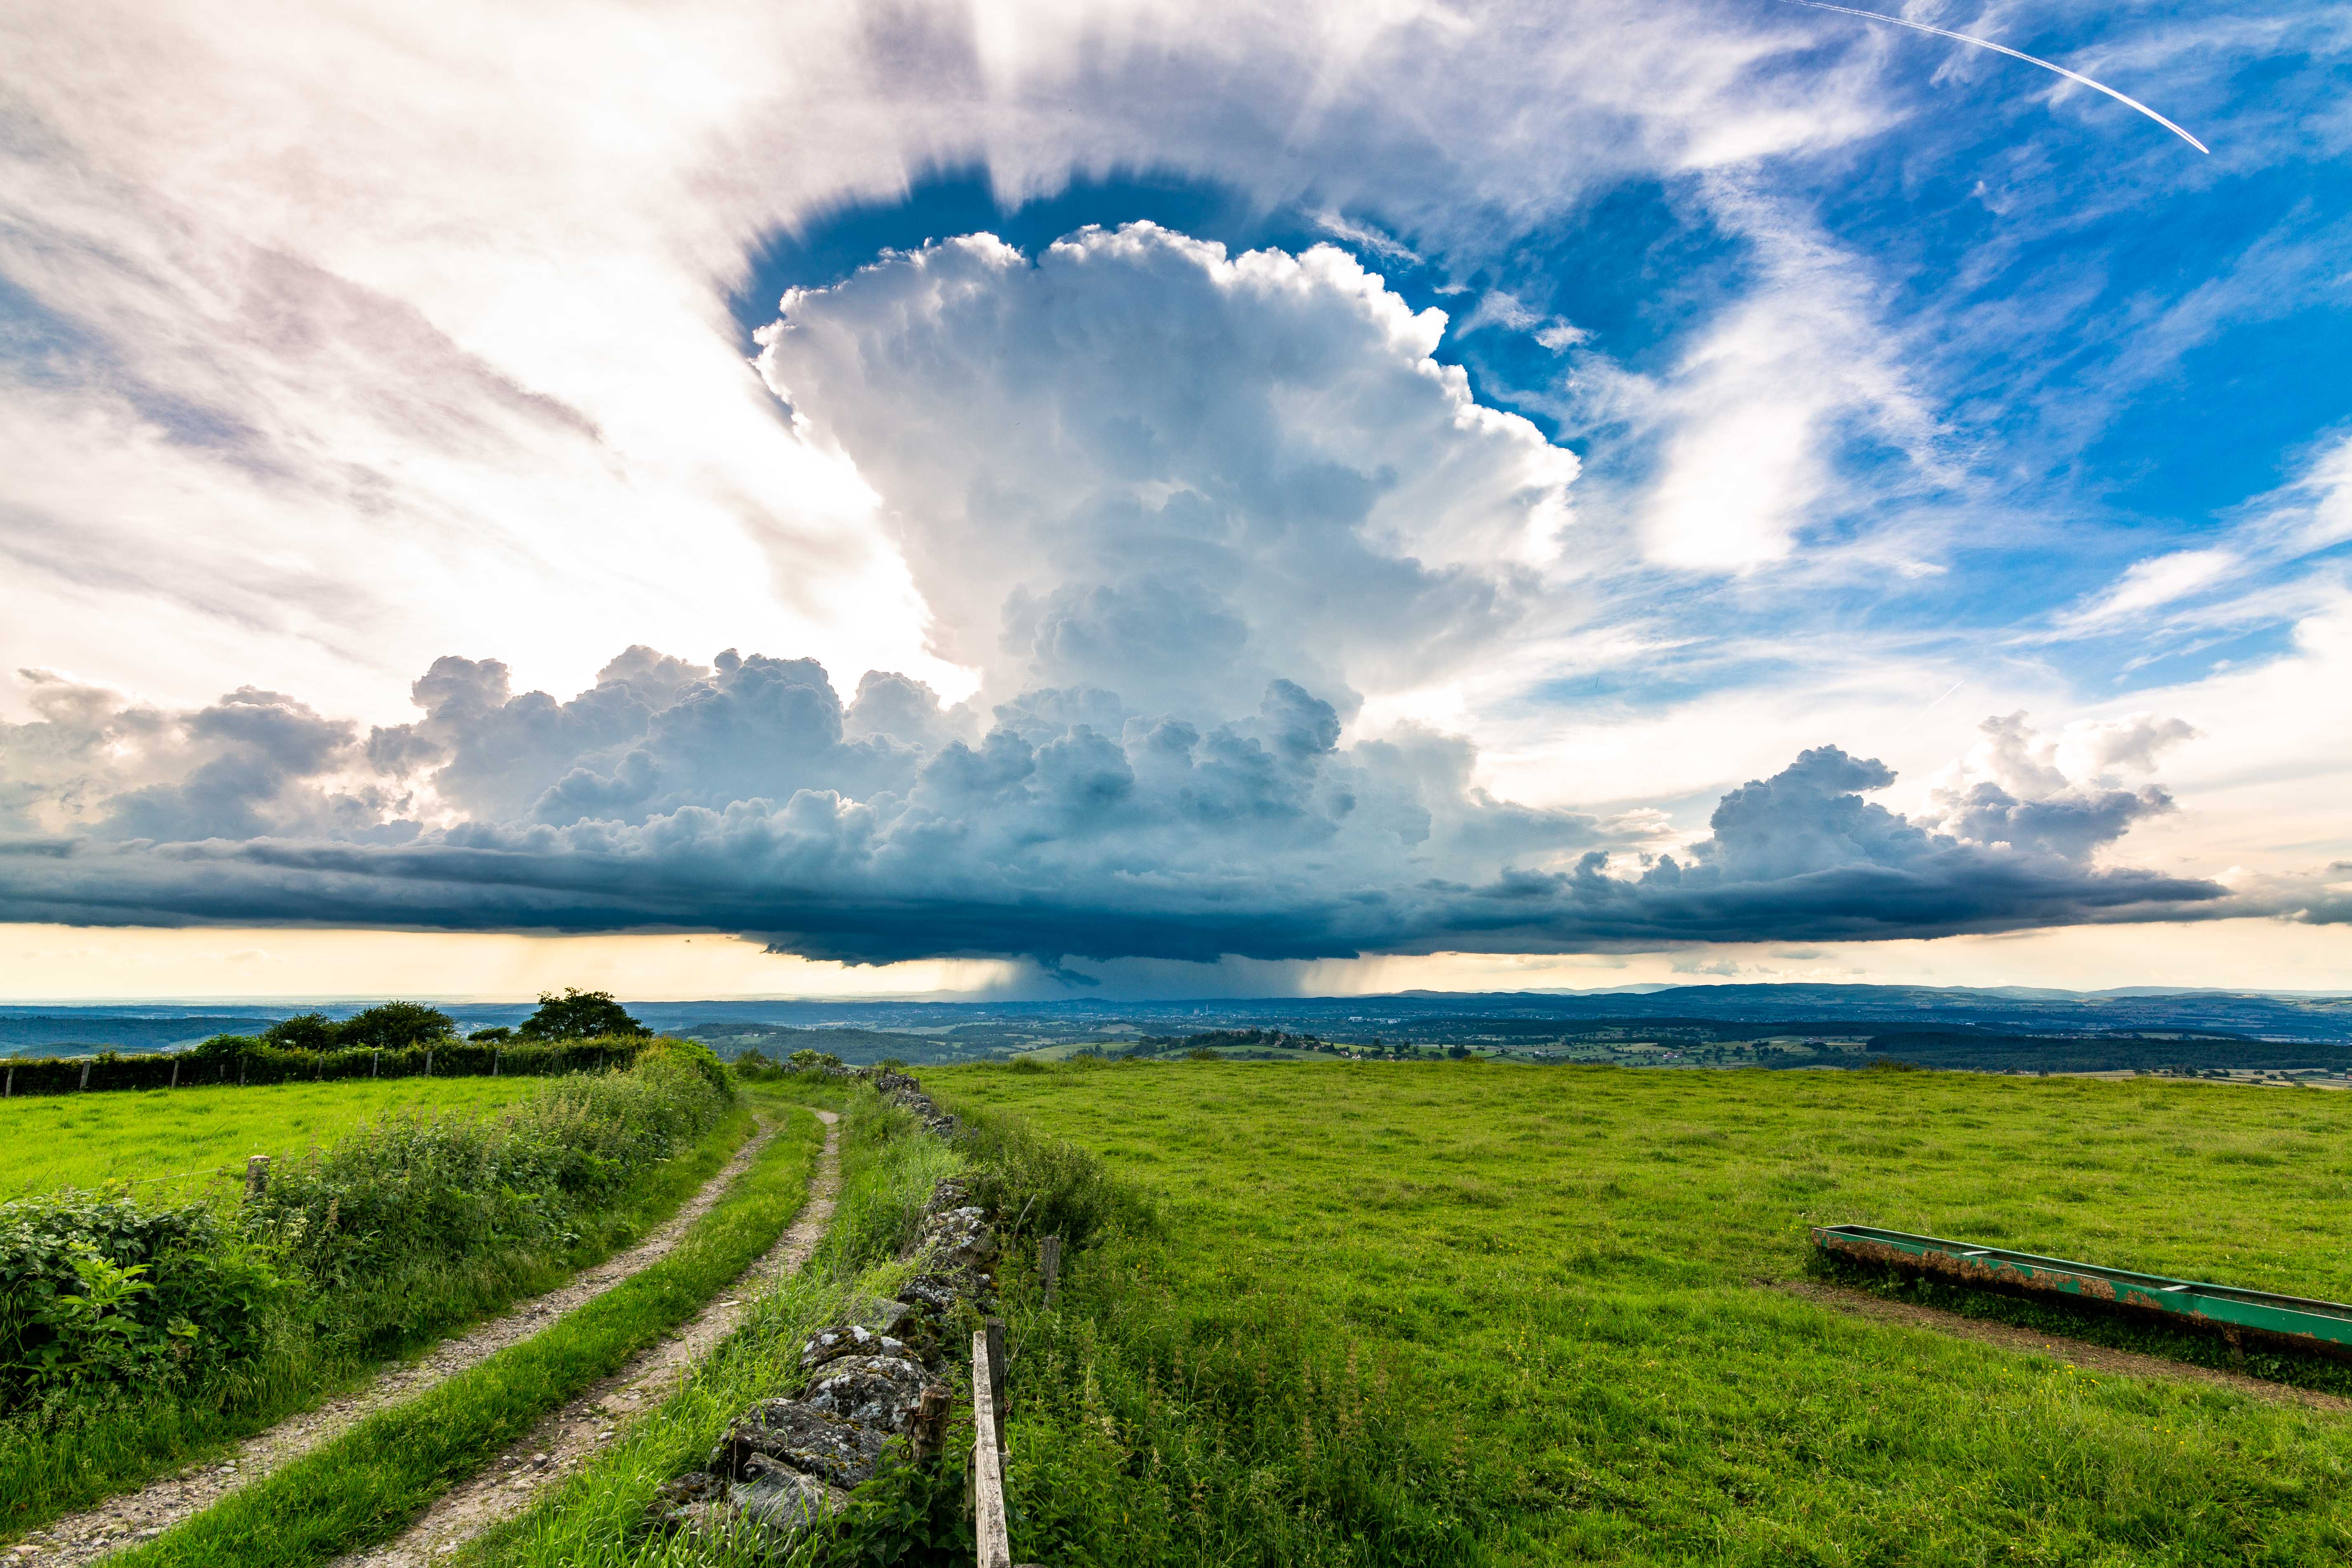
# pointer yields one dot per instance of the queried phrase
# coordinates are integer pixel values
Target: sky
(1070, 498)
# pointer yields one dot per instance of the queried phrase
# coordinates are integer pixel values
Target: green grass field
(88, 1139)
(363, 1485)
(1486, 1313)
(59, 1454)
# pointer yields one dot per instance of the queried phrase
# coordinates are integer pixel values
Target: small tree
(303, 1032)
(491, 1036)
(221, 1047)
(395, 1026)
(579, 1015)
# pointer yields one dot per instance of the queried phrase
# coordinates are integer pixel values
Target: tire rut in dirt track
(576, 1432)
(133, 1517)
(2075, 1352)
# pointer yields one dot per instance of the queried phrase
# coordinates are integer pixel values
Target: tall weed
(363, 1224)
(1040, 1185)
(130, 1335)
(1147, 1427)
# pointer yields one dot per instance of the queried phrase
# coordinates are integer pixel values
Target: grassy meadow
(48, 1142)
(363, 1487)
(399, 1221)
(1483, 1313)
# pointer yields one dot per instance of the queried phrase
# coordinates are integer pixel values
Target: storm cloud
(1181, 516)
(745, 795)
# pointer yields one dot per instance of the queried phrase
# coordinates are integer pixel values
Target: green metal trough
(2320, 1325)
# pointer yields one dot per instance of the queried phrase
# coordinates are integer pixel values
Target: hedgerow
(252, 1061)
(100, 1295)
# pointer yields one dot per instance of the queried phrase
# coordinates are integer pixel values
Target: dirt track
(133, 1516)
(576, 1432)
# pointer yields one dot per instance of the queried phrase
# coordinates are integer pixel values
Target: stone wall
(786, 1465)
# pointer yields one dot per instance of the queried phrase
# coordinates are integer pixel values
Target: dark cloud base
(445, 888)
(747, 797)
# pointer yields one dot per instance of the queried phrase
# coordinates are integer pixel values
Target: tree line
(571, 1014)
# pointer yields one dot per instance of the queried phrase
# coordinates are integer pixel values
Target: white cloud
(404, 300)
(1138, 463)
(2158, 581)
(1739, 481)
(2314, 512)
(2260, 568)
(1372, 239)
(1748, 421)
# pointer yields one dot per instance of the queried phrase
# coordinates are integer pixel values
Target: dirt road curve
(565, 1439)
(133, 1516)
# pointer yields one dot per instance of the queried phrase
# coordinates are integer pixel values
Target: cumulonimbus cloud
(1070, 824)
(1179, 513)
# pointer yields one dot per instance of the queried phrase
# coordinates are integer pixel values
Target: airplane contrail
(2014, 54)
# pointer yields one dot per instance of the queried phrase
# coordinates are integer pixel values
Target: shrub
(1041, 1185)
(99, 1294)
(394, 1027)
(693, 1055)
(303, 1032)
(248, 1059)
(98, 1291)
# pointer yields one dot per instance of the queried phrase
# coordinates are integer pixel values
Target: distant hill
(86, 1031)
(935, 1031)
(859, 1048)
(1978, 1052)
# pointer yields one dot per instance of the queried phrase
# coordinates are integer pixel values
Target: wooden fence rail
(988, 1461)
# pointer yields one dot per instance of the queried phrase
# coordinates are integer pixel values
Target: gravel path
(573, 1433)
(2075, 1352)
(133, 1516)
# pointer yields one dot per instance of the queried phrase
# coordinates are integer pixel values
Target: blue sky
(1629, 491)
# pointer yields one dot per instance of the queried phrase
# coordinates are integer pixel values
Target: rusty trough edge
(2310, 1324)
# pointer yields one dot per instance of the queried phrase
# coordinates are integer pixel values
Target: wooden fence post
(996, 1379)
(175, 1072)
(987, 1465)
(257, 1177)
(494, 1054)
(10, 1092)
(84, 1074)
(1049, 1265)
(376, 1062)
(428, 1061)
